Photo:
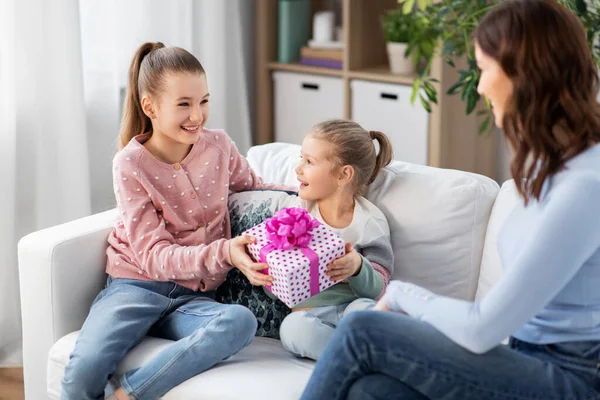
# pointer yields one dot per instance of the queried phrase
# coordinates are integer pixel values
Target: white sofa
(443, 222)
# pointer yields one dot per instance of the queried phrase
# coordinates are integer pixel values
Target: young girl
(338, 162)
(172, 179)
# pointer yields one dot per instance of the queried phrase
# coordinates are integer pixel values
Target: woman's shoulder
(582, 170)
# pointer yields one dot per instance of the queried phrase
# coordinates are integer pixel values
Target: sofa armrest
(61, 270)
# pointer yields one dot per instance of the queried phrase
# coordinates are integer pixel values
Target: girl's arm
(566, 235)
(377, 261)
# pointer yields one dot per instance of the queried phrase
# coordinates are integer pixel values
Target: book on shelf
(326, 45)
(322, 54)
(317, 62)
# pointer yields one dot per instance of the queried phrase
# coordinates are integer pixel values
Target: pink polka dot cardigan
(174, 224)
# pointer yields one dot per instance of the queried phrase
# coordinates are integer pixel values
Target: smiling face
(318, 175)
(181, 110)
(494, 84)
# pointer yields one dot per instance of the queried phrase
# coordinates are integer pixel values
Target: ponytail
(354, 146)
(134, 120)
(385, 155)
(150, 63)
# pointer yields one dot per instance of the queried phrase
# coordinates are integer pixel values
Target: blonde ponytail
(385, 155)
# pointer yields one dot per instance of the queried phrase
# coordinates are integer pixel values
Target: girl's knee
(360, 305)
(85, 373)
(303, 335)
(240, 320)
(295, 324)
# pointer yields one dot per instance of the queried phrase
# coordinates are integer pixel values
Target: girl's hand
(381, 305)
(242, 261)
(346, 266)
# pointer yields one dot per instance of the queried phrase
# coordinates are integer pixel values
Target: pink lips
(190, 131)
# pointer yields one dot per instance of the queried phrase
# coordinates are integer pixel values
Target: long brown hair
(150, 64)
(553, 114)
(354, 146)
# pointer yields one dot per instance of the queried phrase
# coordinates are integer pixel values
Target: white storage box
(386, 107)
(303, 100)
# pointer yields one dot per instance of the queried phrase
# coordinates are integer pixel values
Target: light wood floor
(11, 384)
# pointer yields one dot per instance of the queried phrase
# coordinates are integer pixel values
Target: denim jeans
(205, 332)
(306, 333)
(385, 355)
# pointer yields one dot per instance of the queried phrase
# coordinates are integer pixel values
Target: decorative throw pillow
(248, 209)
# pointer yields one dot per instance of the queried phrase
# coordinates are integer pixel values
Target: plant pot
(398, 63)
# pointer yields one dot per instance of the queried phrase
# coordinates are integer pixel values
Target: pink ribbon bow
(288, 228)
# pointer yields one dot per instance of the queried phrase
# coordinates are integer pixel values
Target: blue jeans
(306, 333)
(385, 355)
(205, 332)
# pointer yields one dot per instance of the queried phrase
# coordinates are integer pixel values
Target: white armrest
(61, 270)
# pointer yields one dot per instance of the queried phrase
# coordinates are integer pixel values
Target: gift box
(297, 249)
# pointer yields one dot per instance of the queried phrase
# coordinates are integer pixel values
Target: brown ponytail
(354, 146)
(146, 75)
(385, 155)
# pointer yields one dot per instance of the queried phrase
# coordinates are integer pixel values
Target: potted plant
(448, 25)
(397, 29)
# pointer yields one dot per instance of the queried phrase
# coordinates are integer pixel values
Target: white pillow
(437, 217)
(275, 162)
(491, 267)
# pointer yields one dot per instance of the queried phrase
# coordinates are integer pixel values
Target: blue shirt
(550, 291)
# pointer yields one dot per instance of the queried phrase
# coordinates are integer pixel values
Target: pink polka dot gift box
(298, 249)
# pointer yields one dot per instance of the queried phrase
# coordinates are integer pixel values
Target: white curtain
(43, 149)
(218, 33)
(63, 70)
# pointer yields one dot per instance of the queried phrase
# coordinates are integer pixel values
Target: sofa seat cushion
(262, 370)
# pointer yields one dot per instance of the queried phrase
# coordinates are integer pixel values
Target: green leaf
(482, 112)
(415, 90)
(430, 92)
(424, 103)
(471, 102)
(581, 7)
(454, 88)
(449, 61)
(408, 6)
(484, 125)
(423, 4)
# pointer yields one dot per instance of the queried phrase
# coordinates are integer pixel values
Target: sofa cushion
(246, 210)
(437, 217)
(491, 266)
(275, 162)
(262, 370)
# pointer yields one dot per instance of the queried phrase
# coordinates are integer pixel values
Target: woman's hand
(346, 266)
(242, 261)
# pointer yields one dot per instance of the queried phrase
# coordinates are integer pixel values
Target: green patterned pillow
(248, 209)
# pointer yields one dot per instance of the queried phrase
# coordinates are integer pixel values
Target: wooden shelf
(381, 74)
(453, 140)
(308, 69)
